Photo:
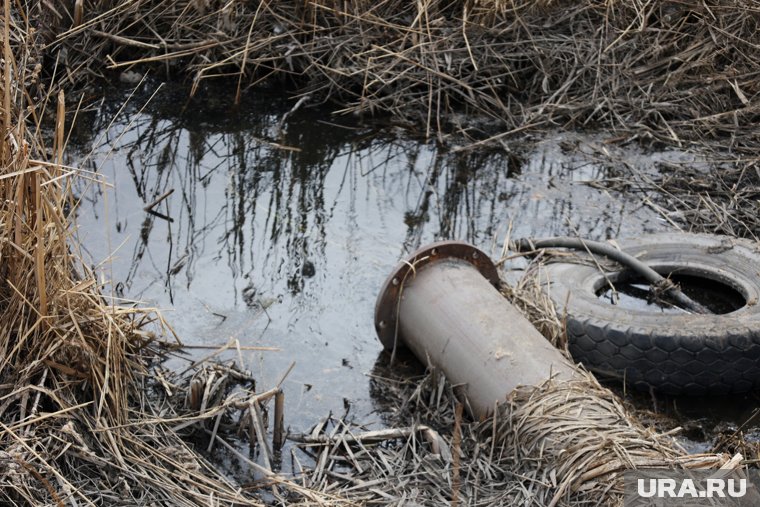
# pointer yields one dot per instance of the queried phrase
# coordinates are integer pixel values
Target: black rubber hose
(607, 250)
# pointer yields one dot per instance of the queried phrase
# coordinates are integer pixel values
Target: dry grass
(76, 426)
(710, 190)
(558, 444)
(528, 295)
(723, 199)
(86, 417)
(665, 70)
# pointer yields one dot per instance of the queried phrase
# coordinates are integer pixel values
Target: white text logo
(686, 488)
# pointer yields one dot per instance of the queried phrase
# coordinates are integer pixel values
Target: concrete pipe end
(386, 308)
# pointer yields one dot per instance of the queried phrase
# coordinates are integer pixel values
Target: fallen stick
(158, 200)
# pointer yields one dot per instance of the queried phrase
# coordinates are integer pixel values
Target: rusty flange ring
(386, 308)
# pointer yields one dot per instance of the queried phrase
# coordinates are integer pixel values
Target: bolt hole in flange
(633, 293)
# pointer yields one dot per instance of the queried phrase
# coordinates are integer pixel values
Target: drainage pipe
(442, 303)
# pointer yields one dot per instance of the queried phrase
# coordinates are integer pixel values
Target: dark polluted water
(280, 234)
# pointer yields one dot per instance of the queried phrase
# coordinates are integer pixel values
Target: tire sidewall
(675, 353)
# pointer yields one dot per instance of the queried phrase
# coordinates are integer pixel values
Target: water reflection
(302, 221)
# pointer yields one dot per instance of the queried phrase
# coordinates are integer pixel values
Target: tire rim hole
(633, 293)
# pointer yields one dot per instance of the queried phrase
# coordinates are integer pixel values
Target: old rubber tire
(675, 354)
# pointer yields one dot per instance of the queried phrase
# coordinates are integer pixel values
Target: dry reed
(721, 199)
(76, 424)
(710, 189)
(86, 416)
(669, 71)
(558, 444)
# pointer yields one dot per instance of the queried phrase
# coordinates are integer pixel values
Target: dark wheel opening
(633, 293)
